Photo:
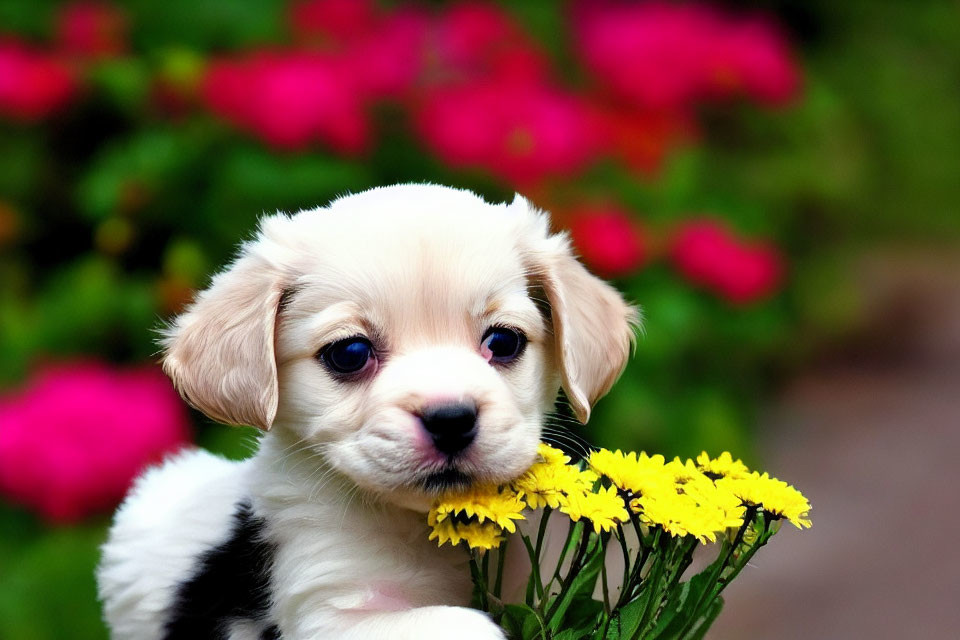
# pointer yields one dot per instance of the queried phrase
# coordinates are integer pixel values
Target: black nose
(451, 425)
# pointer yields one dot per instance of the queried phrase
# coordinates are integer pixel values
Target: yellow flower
(548, 483)
(485, 502)
(552, 455)
(604, 509)
(639, 474)
(722, 467)
(478, 516)
(477, 535)
(775, 496)
(681, 515)
(683, 472)
(690, 505)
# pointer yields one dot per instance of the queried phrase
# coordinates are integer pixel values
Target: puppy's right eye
(351, 355)
(502, 345)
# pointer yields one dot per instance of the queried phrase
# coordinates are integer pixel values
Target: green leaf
(582, 585)
(522, 622)
(54, 572)
(127, 175)
(125, 81)
(628, 616)
(700, 629)
(583, 612)
(250, 181)
(681, 606)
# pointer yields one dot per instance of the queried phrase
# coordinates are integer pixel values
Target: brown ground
(874, 441)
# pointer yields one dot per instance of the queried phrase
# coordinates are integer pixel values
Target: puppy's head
(413, 336)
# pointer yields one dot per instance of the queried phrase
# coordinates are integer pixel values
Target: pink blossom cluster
(74, 439)
(709, 254)
(609, 240)
(290, 99)
(91, 29)
(487, 100)
(475, 85)
(347, 55)
(706, 252)
(533, 132)
(660, 55)
(479, 90)
(35, 82)
(482, 93)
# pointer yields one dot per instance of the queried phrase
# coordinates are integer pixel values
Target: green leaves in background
(47, 587)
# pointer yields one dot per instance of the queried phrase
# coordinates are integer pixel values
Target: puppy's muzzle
(452, 426)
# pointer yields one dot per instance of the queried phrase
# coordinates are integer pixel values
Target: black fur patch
(270, 633)
(445, 480)
(285, 297)
(230, 582)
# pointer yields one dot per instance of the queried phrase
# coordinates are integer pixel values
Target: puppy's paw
(457, 622)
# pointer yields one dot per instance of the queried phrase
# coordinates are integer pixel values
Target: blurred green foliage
(121, 211)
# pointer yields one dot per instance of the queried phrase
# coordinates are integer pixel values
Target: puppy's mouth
(446, 479)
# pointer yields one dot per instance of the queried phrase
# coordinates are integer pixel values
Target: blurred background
(777, 183)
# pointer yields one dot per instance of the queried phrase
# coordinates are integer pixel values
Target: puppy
(396, 343)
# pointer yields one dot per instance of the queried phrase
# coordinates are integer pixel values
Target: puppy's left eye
(352, 355)
(502, 345)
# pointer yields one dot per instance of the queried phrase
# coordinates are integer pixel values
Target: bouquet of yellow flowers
(652, 513)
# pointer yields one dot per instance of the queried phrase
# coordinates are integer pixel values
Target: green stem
(654, 583)
(604, 540)
(535, 560)
(541, 532)
(478, 582)
(572, 572)
(625, 587)
(635, 521)
(563, 554)
(534, 569)
(501, 557)
(604, 627)
(636, 581)
(681, 558)
(745, 559)
(707, 597)
(641, 559)
(762, 538)
(485, 567)
(722, 582)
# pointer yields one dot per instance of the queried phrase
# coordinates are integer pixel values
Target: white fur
(173, 514)
(422, 271)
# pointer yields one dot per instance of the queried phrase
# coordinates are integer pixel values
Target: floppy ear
(220, 351)
(594, 329)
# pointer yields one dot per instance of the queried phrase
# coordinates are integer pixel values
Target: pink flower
(643, 138)
(650, 54)
(479, 40)
(708, 254)
(75, 438)
(384, 50)
(753, 58)
(667, 56)
(334, 23)
(91, 29)
(523, 133)
(33, 84)
(609, 242)
(290, 99)
(390, 61)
